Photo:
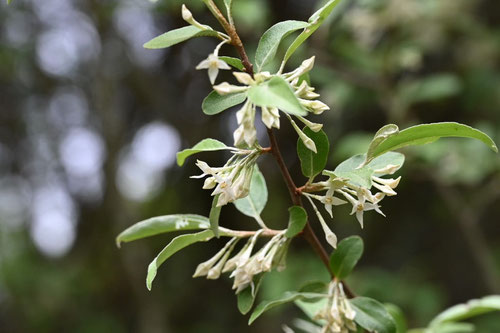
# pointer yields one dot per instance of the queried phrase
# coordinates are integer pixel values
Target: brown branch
(295, 193)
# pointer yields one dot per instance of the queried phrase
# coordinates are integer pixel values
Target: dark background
(90, 123)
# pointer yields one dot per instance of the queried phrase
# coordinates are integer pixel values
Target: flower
(338, 313)
(213, 64)
(246, 132)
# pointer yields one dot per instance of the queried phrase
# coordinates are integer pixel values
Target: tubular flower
(338, 314)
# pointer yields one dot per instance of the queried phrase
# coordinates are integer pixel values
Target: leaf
(351, 170)
(398, 316)
(246, 297)
(177, 36)
(426, 133)
(162, 224)
(203, 145)
(177, 244)
(346, 256)
(214, 216)
(270, 40)
(253, 204)
(372, 315)
(359, 174)
(310, 309)
(381, 135)
(296, 222)
(235, 62)
(315, 22)
(452, 328)
(215, 103)
(289, 296)
(312, 164)
(467, 310)
(276, 92)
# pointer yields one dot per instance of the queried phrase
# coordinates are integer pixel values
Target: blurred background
(90, 123)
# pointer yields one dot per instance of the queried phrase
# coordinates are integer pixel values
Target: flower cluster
(361, 198)
(246, 133)
(232, 181)
(244, 266)
(338, 314)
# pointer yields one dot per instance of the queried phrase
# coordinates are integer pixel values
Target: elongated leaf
(276, 93)
(359, 174)
(270, 40)
(467, 310)
(235, 62)
(315, 22)
(246, 297)
(177, 244)
(215, 103)
(426, 133)
(253, 204)
(310, 309)
(381, 135)
(203, 145)
(296, 222)
(214, 216)
(398, 316)
(346, 256)
(177, 36)
(452, 328)
(162, 224)
(286, 298)
(313, 163)
(372, 315)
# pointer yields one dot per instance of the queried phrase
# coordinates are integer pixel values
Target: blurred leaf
(215, 103)
(214, 216)
(253, 204)
(467, 310)
(315, 22)
(427, 133)
(434, 87)
(346, 256)
(177, 244)
(203, 145)
(452, 328)
(389, 158)
(246, 297)
(235, 62)
(161, 224)
(296, 222)
(276, 93)
(398, 316)
(372, 315)
(287, 297)
(310, 309)
(313, 163)
(349, 169)
(270, 40)
(177, 36)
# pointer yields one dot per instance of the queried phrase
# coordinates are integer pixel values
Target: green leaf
(289, 296)
(346, 256)
(296, 222)
(177, 244)
(426, 133)
(203, 145)
(253, 204)
(381, 135)
(214, 216)
(177, 36)
(315, 22)
(452, 328)
(311, 163)
(162, 224)
(246, 297)
(235, 62)
(467, 310)
(359, 174)
(276, 92)
(310, 309)
(372, 315)
(351, 170)
(215, 103)
(270, 40)
(398, 316)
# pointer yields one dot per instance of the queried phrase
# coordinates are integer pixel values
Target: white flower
(315, 106)
(338, 314)
(271, 117)
(329, 200)
(360, 206)
(246, 131)
(213, 64)
(225, 88)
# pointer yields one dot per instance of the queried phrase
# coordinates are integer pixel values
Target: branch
(295, 194)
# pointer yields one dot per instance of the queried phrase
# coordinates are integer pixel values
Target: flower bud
(244, 78)
(225, 88)
(186, 14)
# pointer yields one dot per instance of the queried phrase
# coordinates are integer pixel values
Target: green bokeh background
(377, 62)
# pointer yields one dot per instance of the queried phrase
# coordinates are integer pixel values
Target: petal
(222, 64)
(204, 64)
(212, 73)
(359, 216)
